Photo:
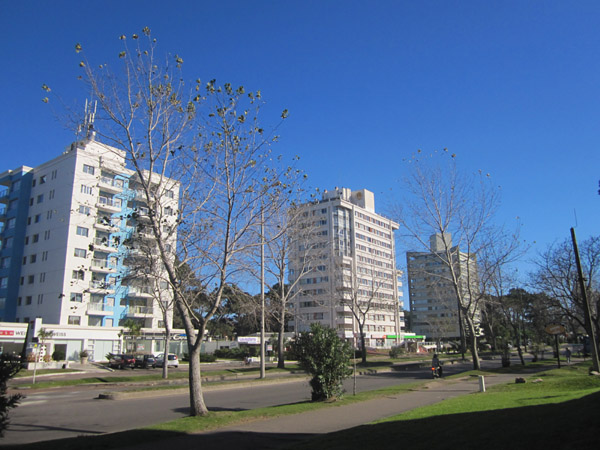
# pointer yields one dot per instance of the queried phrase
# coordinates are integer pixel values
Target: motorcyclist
(435, 364)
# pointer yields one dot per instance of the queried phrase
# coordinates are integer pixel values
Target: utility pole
(262, 294)
(586, 305)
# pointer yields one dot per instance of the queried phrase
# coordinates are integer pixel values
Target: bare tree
(203, 149)
(556, 276)
(459, 210)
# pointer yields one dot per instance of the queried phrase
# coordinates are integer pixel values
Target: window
(32, 258)
(40, 198)
(45, 256)
(38, 217)
(15, 186)
(74, 320)
(31, 201)
(30, 279)
(29, 221)
(80, 252)
(87, 189)
(10, 223)
(25, 319)
(43, 179)
(22, 281)
(5, 262)
(49, 214)
(78, 275)
(43, 277)
(3, 282)
(7, 242)
(53, 174)
(28, 300)
(26, 240)
(46, 235)
(13, 204)
(51, 194)
(84, 209)
(40, 299)
(169, 194)
(82, 231)
(35, 238)
(33, 183)
(88, 169)
(76, 297)
(19, 301)
(24, 260)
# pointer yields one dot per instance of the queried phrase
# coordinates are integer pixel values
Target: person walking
(568, 355)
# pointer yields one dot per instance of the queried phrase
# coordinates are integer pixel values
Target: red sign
(7, 332)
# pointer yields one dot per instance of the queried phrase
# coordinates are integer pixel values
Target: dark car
(121, 361)
(145, 361)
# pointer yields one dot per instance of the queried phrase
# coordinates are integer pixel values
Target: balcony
(101, 285)
(139, 291)
(111, 184)
(4, 197)
(100, 309)
(102, 265)
(104, 244)
(109, 204)
(140, 311)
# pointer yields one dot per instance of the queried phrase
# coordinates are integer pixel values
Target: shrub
(326, 357)
(207, 357)
(396, 352)
(9, 367)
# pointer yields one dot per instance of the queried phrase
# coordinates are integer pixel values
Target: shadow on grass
(570, 425)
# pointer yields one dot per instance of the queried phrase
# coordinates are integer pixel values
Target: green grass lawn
(562, 411)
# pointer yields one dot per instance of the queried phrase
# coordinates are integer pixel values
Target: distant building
(72, 230)
(433, 300)
(351, 251)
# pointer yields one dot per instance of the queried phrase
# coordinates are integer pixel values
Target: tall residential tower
(347, 269)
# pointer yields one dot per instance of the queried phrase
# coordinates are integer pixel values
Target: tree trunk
(197, 405)
(165, 367)
(280, 349)
(473, 342)
(363, 352)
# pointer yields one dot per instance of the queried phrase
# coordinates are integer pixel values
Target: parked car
(145, 361)
(172, 360)
(121, 361)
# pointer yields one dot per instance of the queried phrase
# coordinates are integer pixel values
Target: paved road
(68, 412)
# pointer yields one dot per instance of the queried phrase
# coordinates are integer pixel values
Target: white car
(172, 360)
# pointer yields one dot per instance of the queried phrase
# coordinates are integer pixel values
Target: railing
(100, 307)
(113, 182)
(100, 284)
(115, 203)
(102, 263)
(134, 290)
(105, 242)
(134, 310)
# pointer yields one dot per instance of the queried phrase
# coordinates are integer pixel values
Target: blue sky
(511, 87)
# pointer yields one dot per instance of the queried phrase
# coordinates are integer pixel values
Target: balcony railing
(112, 182)
(104, 242)
(100, 308)
(110, 202)
(100, 284)
(140, 310)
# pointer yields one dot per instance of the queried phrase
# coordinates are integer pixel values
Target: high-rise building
(433, 300)
(73, 238)
(346, 268)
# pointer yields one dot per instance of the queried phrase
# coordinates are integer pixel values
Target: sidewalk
(284, 431)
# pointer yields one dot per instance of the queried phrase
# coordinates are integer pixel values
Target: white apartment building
(433, 300)
(72, 237)
(347, 269)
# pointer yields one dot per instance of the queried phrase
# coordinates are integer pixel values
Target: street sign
(555, 328)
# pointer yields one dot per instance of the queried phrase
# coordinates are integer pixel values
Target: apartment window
(46, 235)
(88, 169)
(87, 189)
(10, 223)
(74, 320)
(35, 238)
(76, 297)
(5, 262)
(29, 220)
(43, 277)
(26, 240)
(44, 256)
(43, 179)
(28, 300)
(33, 182)
(82, 231)
(51, 194)
(24, 260)
(84, 209)
(30, 279)
(40, 299)
(49, 214)
(53, 174)
(31, 201)
(78, 275)
(15, 186)
(12, 205)
(169, 194)
(80, 252)
(3, 282)
(22, 281)
(19, 301)
(40, 198)
(169, 211)
(32, 258)
(7, 242)
(38, 217)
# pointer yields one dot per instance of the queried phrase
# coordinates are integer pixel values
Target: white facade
(433, 300)
(84, 222)
(347, 267)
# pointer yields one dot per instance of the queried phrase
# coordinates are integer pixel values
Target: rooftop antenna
(87, 126)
